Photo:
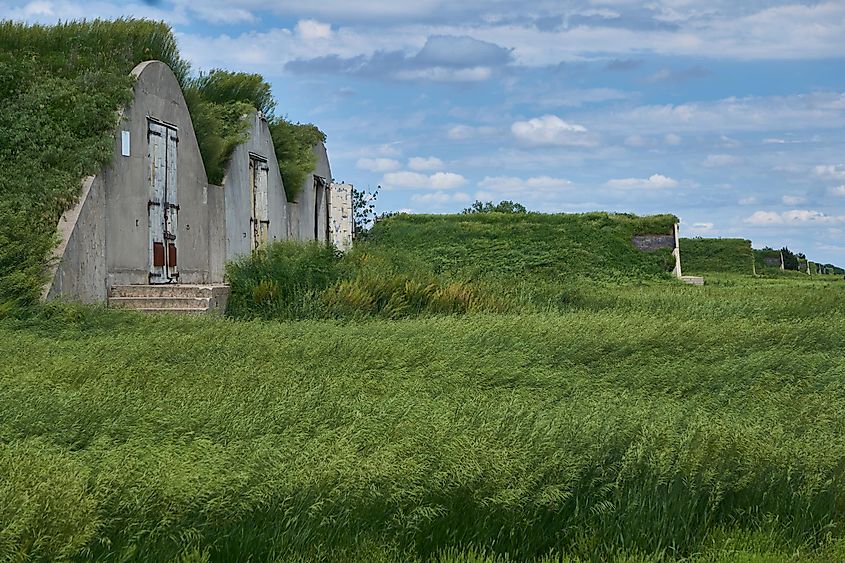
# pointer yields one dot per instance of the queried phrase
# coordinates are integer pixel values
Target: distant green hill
(702, 255)
(593, 245)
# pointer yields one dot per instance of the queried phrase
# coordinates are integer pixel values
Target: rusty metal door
(260, 219)
(163, 207)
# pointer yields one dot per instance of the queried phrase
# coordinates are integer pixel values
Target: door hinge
(152, 203)
(171, 206)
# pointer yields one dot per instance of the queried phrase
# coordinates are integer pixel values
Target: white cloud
(795, 217)
(441, 197)
(636, 141)
(415, 180)
(552, 130)
(672, 139)
(446, 74)
(464, 132)
(420, 163)
(313, 29)
(830, 171)
(655, 181)
(793, 199)
(701, 226)
(838, 191)
(719, 160)
(750, 200)
(378, 164)
(753, 113)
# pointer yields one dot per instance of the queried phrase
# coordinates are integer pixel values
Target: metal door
(163, 207)
(260, 220)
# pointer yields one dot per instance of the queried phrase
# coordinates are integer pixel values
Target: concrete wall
(653, 242)
(236, 183)
(78, 266)
(105, 238)
(341, 221)
(217, 232)
(309, 221)
(127, 180)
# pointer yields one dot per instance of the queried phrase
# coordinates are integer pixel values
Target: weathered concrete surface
(216, 232)
(312, 202)
(127, 180)
(238, 196)
(341, 222)
(78, 265)
(654, 242)
(693, 280)
(170, 298)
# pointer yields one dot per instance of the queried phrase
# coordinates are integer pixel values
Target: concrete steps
(170, 298)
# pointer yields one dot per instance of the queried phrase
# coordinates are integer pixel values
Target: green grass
(643, 421)
(552, 247)
(705, 255)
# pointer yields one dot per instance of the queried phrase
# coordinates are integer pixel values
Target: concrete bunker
(341, 221)
(309, 213)
(149, 216)
(671, 240)
(255, 202)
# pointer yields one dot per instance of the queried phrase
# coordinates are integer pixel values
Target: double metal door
(163, 204)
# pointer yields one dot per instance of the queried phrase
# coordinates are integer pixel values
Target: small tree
(363, 210)
(790, 260)
(505, 206)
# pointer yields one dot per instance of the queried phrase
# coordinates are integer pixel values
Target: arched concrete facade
(149, 216)
(309, 215)
(255, 201)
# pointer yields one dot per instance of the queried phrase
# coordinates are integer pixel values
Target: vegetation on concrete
(649, 422)
(705, 255)
(294, 144)
(61, 90)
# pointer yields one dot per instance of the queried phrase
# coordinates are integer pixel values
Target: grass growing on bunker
(649, 421)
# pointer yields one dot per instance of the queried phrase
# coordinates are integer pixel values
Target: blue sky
(729, 114)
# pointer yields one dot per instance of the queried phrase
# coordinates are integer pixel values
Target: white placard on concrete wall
(124, 143)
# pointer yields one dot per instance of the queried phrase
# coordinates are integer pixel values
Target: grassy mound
(704, 255)
(591, 245)
(601, 432)
(447, 264)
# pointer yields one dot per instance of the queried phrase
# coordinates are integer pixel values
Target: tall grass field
(640, 422)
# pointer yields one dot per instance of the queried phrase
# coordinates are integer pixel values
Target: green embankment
(552, 246)
(659, 420)
(414, 265)
(705, 255)
(61, 88)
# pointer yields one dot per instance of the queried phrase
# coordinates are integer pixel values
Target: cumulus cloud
(443, 58)
(702, 227)
(313, 29)
(420, 163)
(655, 181)
(552, 130)
(415, 180)
(830, 171)
(838, 191)
(750, 200)
(795, 217)
(378, 164)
